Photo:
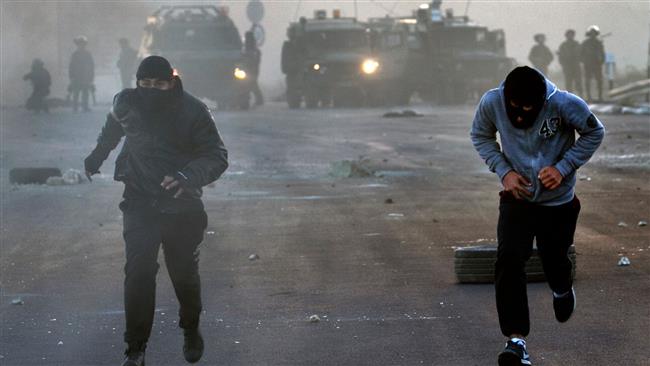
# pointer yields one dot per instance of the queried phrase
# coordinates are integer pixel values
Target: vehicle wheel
(311, 101)
(245, 102)
(293, 100)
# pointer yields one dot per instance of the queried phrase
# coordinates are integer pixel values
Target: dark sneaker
(515, 354)
(135, 355)
(193, 347)
(564, 305)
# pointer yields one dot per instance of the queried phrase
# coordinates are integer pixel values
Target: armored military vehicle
(445, 58)
(204, 46)
(328, 61)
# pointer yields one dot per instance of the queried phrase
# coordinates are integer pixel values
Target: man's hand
(91, 166)
(516, 184)
(171, 183)
(550, 177)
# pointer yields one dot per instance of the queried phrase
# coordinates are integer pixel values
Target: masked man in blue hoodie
(536, 163)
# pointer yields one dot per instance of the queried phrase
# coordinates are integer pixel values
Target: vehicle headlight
(240, 74)
(369, 66)
(316, 67)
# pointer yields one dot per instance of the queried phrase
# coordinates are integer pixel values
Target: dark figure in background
(569, 56)
(82, 74)
(593, 58)
(291, 62)
(536, 160)
(171, 150)
(41, 81)
(252, 59)
(540, 55)
(127, 63)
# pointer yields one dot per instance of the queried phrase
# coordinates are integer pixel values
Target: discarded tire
(476, 264)
(32, 175)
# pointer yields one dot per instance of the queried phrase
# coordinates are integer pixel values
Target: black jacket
(182, 141)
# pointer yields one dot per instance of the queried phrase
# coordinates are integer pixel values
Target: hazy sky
(45, 29)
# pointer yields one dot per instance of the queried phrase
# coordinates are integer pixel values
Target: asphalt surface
(379, 275)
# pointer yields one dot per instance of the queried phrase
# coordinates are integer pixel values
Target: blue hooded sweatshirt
(550, 141)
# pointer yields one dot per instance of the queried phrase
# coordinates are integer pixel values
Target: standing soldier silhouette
(253, 57)
(82, 74)
(540, 55)
(593, 58)
(569, 56)
(126, 63)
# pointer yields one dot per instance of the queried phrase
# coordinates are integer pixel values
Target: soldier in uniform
(253, 57)
(82, 74)
(540, 55)
(593, 58)
(41, 82)
(291, 63)
(127, 62)
(569, 57)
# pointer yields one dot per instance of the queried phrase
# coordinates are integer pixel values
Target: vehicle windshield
(337, 39)
(187, 37)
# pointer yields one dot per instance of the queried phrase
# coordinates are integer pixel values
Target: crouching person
(171, 150)
(536, 162)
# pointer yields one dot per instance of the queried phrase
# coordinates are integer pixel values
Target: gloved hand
(91, 165)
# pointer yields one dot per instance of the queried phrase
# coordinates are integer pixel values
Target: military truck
(204, 46)
(445, 58)
(328, 61)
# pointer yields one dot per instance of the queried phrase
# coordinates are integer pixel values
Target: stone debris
(17, 302)
(389, 201)
(395, 215)
(73, 176)
(60, 343)
(314, 319)
(55, 181)
(624, 262)
(585, 177)
(253, 257)
(622, 224)
(642, 223)
(406, 113)
(210, 232)
(351, 169)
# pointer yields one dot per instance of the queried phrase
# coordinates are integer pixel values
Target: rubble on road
(642, 223)
(406, 113)
(314, 319)
(18, 301)
(351, 169)
(253, 257)
(622, 224)
(641, 110)
(70, 177)
(624, 262)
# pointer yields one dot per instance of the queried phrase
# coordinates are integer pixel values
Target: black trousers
(145, 229)
(553, 228)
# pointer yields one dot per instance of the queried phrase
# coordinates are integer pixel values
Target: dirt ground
(379, 275)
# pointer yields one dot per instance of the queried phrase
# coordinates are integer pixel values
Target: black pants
(553, 228)
(145, 229)
(84, 91)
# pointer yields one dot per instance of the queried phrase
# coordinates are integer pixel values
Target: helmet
(80, 40)
(593, 30)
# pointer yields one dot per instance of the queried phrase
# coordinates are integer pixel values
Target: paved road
(379, 275)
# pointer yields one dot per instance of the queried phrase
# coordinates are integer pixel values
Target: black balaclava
(155, 67)
(524, 86)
